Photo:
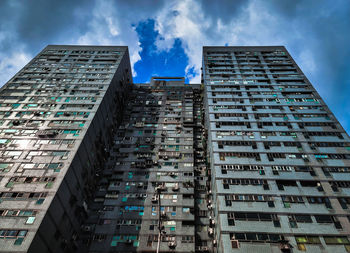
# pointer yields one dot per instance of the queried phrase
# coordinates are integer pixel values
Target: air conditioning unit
(51, 133)
(86, 228)
(204, 248)
(235, 244)
(172, 244)
(212, 222)
(160, 188)
(176, 187)
(154, 198)
(16, 123)
(41, 133)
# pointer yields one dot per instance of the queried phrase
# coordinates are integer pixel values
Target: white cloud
(195, 24)
(252, 24)
(189, 25)
(11, 64)
(109, 26)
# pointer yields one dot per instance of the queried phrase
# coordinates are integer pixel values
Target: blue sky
(157, 63)
(166, 37)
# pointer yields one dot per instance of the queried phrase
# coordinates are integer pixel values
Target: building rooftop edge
(84, 46)
(243, 47)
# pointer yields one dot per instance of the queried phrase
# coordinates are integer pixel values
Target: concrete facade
(54, 116)
(154, 149)
(279, 158)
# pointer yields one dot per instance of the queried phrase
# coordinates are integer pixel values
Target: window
(223, 155)
(318, 200)
(22, 195)
(242, 167)
(302, 218)
(247, 198)
(269, 238)
(252, 216)
(344, 202)
(292, 199)
(330, 240)
(8, 234)
(99, 237)
(187, 239)
(5, 167)
(244, 181)
(282, 168)
(308, 239)
(30, 220)
(337, 169)
(324, 218)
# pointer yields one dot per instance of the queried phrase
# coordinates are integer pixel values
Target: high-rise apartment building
(251, 160)
(149, 185)
(278, 156)
(57, 118)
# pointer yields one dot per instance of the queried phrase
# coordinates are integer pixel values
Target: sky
(166, 37)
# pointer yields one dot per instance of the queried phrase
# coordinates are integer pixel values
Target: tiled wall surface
(279, 158)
